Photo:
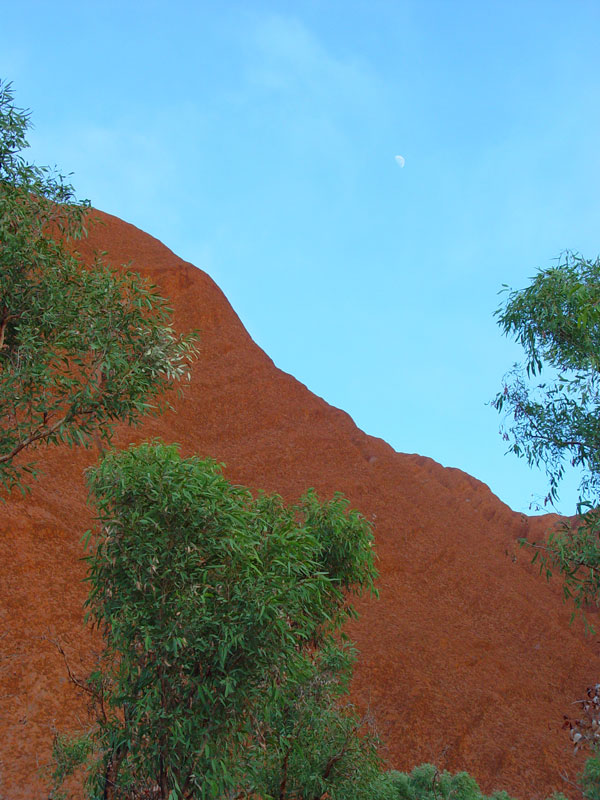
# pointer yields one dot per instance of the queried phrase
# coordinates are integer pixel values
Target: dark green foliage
(80, 348)
(221, 615)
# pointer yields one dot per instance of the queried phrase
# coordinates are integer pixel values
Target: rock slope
(467, 659)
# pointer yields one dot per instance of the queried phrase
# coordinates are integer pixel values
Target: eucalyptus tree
(81, 346)
(225, 671)
(552, 407)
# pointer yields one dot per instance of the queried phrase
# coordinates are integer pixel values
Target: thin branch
(284, 776)
(70, 673)
(572, 783)
(98, 696)
(342, 752)
(43, 433)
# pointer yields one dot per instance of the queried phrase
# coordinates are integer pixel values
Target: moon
(400, 161)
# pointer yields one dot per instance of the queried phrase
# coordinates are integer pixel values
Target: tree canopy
(555, 422)
(81, 346)
(221, 613)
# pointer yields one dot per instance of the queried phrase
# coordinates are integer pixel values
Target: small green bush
(590, 778)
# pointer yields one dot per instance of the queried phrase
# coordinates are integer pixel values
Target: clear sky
(258, 141)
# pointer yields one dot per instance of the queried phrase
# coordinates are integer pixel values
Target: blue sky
(257, 140)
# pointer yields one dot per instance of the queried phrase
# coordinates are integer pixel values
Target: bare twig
(572, 783)
(77, 681)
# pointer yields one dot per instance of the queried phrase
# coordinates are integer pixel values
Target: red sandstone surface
(467, 659)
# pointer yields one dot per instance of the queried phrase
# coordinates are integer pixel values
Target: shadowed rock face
(467, 658)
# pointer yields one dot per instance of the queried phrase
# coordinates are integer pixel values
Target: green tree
(557, 321)
(555, 422)
(225, 669)
(81, 348)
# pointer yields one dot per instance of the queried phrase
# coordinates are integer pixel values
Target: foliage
(80, 348)
(590, 778)
(426, 782)
(556, 422)
(221, 615)
(309, 745)
(69, 753)
(557, 320)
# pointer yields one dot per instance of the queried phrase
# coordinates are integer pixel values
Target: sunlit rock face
(467, 659)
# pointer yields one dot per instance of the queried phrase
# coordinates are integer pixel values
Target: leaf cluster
(573, 549)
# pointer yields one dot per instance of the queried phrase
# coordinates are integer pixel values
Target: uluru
(467, 659)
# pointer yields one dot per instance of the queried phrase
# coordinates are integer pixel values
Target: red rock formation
(467, 658)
